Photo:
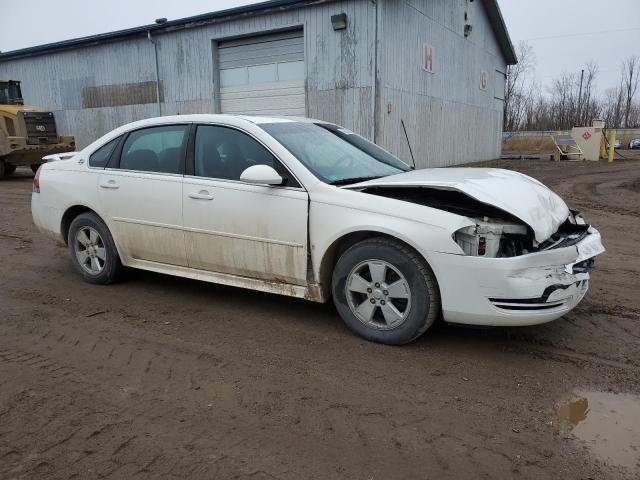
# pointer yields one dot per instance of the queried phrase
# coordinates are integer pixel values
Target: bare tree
(564, 104)
(587, 105)
(630, 76)
(613, 104)
(516, 90)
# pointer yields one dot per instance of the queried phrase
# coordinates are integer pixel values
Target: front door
(142, 195)
(233, 227)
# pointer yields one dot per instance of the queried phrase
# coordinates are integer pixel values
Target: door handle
(109, 184)
(201, 195)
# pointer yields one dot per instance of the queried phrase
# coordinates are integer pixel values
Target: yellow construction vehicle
(26, 133)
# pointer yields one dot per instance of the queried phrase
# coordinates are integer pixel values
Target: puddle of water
(609, 423)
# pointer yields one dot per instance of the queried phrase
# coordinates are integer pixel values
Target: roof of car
(212, 117)
(259, 119)
(201, 118)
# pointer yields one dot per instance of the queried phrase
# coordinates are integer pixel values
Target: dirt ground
(161, 377)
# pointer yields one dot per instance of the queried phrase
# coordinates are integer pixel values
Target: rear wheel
(385, 292)
(93, 252)
(3, 168)
(9, 169)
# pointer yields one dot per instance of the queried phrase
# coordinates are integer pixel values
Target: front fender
(329, 223)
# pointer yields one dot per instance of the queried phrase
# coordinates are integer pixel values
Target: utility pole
(579, 99)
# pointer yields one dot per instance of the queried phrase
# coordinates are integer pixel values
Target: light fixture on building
(467, 30)
(160, 21)
(339, 22)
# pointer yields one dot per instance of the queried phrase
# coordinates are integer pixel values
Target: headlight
(476, 243)
(490, 238)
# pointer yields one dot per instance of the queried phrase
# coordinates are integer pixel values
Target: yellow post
(603, 146)
(556, 151)
(612, 143)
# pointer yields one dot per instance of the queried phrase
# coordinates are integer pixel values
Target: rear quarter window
(100, 157)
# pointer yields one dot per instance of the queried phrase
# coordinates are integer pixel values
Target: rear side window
(100, 157)
(156, 149)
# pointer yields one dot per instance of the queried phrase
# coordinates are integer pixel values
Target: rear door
(237, 228)
(141, 193)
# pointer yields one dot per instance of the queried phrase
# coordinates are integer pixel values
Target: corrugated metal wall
(449, 119)
(339, 75)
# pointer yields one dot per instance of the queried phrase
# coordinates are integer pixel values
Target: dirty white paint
(278, 239)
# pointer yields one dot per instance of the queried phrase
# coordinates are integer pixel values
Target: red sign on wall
(427, 58)
(586, 135)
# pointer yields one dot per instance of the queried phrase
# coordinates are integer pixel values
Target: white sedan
(308, 209)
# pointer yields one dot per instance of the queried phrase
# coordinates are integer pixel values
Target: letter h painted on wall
(427, 58)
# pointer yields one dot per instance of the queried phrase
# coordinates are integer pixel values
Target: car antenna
(408, 143)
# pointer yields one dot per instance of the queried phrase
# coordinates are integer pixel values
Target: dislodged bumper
(524, 290)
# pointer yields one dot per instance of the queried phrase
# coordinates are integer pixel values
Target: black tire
(111, 265)
(9, 169)
(3, 168)
(423, 305)
(35, 167)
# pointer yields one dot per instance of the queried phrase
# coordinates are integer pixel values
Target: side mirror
(261, 175)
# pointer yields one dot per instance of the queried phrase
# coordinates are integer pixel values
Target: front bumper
(525, 290)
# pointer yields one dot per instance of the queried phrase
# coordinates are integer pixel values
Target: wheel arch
(70, 214)
(342, 243)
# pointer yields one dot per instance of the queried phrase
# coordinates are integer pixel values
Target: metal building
(436, 66)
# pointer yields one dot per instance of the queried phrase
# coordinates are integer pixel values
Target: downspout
(374, 76)
(155, 52)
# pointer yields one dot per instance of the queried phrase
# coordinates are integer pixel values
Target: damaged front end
(495, 233)
(525, 257)
(499, 238)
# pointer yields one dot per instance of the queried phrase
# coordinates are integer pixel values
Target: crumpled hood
(515, 193)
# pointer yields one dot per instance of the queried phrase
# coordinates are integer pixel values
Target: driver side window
(224, 153)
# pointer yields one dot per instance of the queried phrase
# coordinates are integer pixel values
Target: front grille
(565, 240)
(41, 127)
(585, 266)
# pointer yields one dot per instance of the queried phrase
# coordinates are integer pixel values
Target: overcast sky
(560, 31)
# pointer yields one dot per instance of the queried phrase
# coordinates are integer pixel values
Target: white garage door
(263, 75)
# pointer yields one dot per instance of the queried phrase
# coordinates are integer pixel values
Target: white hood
(515, 193)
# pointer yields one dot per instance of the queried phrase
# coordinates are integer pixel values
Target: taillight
(36, 180)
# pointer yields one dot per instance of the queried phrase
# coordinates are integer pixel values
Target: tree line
(571, 99)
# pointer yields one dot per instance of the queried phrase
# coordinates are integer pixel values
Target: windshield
(334, 154)
(10, 94)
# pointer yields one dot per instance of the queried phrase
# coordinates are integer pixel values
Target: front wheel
(93, 252)
(385, 292)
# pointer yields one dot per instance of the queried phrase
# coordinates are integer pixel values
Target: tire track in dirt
(341, 420)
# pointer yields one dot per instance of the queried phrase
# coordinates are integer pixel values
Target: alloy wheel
(378, 294)
(90, 250)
